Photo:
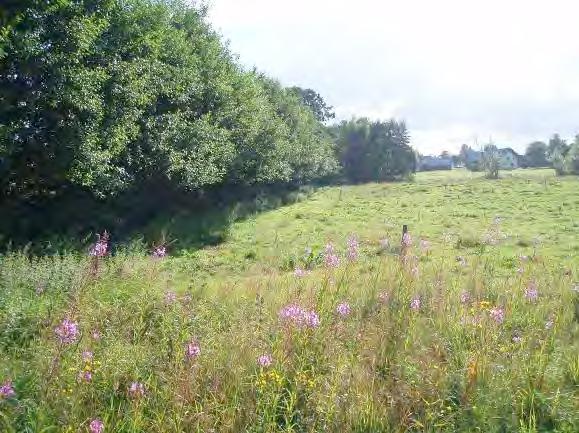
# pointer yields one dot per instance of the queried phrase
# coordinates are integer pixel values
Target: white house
(508, 159)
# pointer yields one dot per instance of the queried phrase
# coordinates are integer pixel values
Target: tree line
(104, 98)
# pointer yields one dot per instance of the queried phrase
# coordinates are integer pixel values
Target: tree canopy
(374, 151)
(105, 94)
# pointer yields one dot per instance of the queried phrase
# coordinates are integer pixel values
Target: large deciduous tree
(107, 95)
(536, 154)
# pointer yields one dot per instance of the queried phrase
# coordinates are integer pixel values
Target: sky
(457, 71)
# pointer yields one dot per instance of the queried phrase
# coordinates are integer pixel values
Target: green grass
(446, 367)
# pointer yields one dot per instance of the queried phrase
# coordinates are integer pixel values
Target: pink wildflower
(406, 240)
(85, 376)
(465, 297)
(265, 360)
(343, 309)
(170, 297)
(531, 292)
(96, 426)
(353, 246)
(159, 252)
(497, 314)
(136, 390)
(87, 356)
(298, 316)
(67, 331)
(100, 248)
(415, 304)
(192, 350)
(7, 390)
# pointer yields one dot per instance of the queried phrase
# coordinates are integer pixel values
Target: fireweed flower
(159, 252)
(299, 317)
(96, 335)
(6, 390)
(343, 309)
(100, 248)
(136, 390)
(192, 350)
(406, 240)
(265, 360)
(415, 304)
(96, 426)
(497, 314)
(331, 259)
(85, 376)
(531, 292)
(170, 297)
(353, 246)
(517, 338)
(465, 297)
(67, 332)
(87, 356)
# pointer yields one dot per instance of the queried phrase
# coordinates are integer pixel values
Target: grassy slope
(447, 367)
(533, 204)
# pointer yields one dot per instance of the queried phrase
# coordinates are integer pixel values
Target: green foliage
(490, 161)
(314, 101)
(449, 364)
(103, 95)
(536, 154)
(374, 151)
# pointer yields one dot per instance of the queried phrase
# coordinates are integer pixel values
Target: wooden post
(404, 230)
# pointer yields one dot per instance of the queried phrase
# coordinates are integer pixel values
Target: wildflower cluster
(85, 375)
(343, 309)
(265, 360)
(531, 292)
(67, 332)
(299, 317)
(406, 240)
(136, 390)
(96, 426)
(192, 350)
(353, 247)
(6, 390)
(100, 248)
(497, 314)
(159, 252)
(331, 258)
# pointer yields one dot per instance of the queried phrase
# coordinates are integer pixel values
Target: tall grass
(446, 366)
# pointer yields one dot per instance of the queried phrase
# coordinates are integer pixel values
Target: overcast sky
(455, 70)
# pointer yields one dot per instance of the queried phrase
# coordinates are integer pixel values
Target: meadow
(312, 316)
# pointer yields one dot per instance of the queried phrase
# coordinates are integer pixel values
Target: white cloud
(453, 69)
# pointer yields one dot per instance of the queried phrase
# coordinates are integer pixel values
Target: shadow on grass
(151, 217)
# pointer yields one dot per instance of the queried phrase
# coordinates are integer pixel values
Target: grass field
(312, 317)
